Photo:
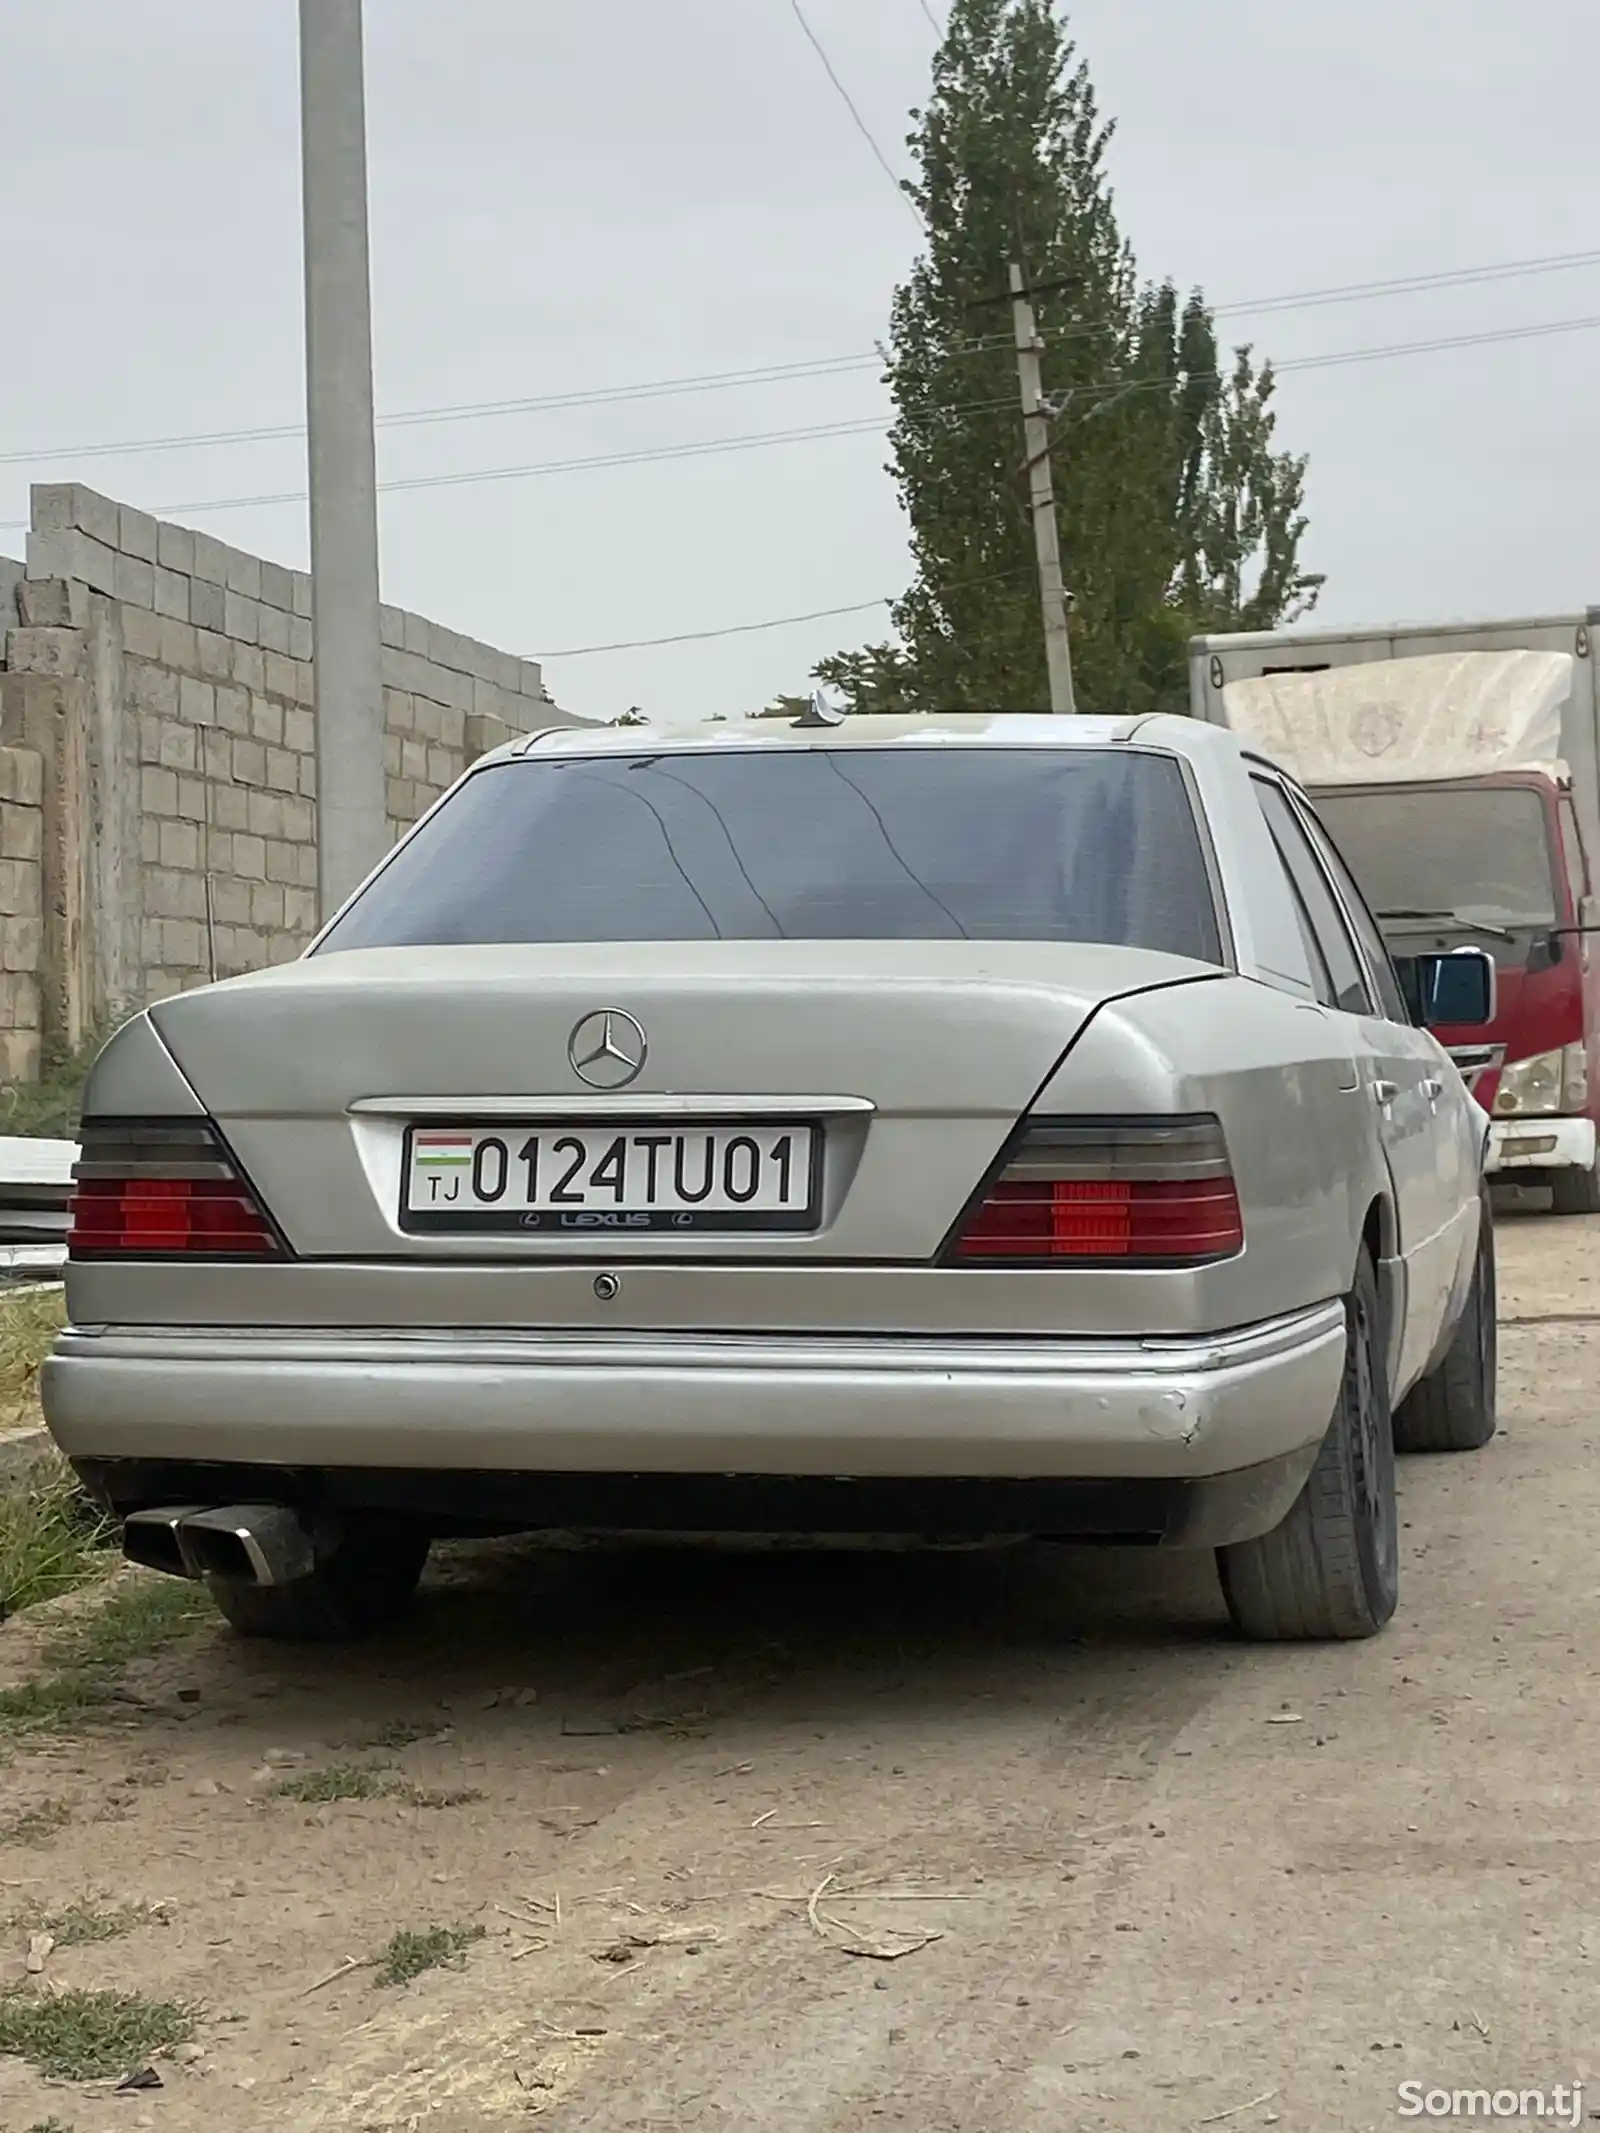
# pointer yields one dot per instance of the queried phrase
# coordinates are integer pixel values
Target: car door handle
(1433, 1089)
(1385, 1092)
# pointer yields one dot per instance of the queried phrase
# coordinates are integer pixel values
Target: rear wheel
(1575, 1192)
(365, 1580)
(1331, 1568)
(1453, 1409)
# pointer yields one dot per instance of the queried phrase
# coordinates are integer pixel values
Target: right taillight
(1148, 1192)
(162, 1191)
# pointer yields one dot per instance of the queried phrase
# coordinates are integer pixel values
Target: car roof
(1007, 729)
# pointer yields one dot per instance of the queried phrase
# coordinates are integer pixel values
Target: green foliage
(89, 2036)
(409, 1954)
(1176, 511)
(86, 1663)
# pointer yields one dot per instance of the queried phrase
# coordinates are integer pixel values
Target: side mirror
(1455, 990)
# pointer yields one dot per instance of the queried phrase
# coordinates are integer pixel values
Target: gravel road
(968, 1844)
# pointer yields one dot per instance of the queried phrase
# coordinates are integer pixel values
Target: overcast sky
(574, 196)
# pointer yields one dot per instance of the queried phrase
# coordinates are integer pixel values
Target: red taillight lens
(1157, 1193)
(159, 1191)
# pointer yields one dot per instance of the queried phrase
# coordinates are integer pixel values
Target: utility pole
(1042, 498)
(352, 819)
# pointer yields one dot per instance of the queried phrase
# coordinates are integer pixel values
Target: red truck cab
(1498, 862)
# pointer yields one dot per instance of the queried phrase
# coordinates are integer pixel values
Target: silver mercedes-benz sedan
(959, 1127)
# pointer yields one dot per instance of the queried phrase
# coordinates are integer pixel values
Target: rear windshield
(907, 843)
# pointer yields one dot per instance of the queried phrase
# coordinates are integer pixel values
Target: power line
(735, 629)
(1339, 359)
(861, 125)
(933, 18)
(784, 373)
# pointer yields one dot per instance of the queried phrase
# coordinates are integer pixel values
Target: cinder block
(299, 821)
(217, 845)
(395, 667)
(150, 939)
(274, 630)
(392, 627)
(446, 648)
(417, 629)
(150, 732)
(399, 711)
(302, 594)
(21, 943)
(443, 769)
(21, 831)
(244, 574)
(54, 603)
(216, 753)
(506, 668)
(391, 754)
(230, 806)
(136, 533)
(399, 800)
(152, 690)
(250, 858)
(215, 652)
(19, 1055)
(208, 606)
(73, 555)
(175, 548)
(300, 911)
(141, 632)
(266, 720)
(305, 683)
(427, 718)
(302, 638)
(135, 581)
(484, 735)
(278, 675)
(192, 799)
(172, 593)
(243, 617)
(158, 791)
(230, 902)
(267, 905)
(179, 845)
(306, 865)
(479, 659)
(283, 770)
(277, 587)
(21, 889)
(453, 728)
(61, 506)
(197, 702)
(250, 668)
(233, 711)
(169, 894)
(210, 560)
(178, 751)
(413, 759)
(266, 815)
(22, 776)
(183, 944)
(149, 840)
(249, 763)
(299, 730)
(44, 651)
(308, 776)
(180, 645)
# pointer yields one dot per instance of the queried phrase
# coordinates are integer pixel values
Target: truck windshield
(1473, 853)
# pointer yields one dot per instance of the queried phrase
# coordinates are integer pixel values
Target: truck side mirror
(1453, 990)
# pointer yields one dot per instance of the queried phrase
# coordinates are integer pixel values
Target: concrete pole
(352, 820)
(1041, 488)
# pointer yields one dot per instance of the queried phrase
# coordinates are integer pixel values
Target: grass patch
(85, 1664)
(409, 1954)
(48, 2125)
(36, 1824)
(366, 1781)
(402, 1733)
(29, 1324)
(82, 1925)
(52, 1539)
(89, 2036)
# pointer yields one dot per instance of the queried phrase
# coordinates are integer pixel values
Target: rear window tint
(892, 843)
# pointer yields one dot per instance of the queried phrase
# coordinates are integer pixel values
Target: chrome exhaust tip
(251, 1543)
(150, 1538)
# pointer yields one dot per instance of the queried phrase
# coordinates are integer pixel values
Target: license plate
(580, 1180)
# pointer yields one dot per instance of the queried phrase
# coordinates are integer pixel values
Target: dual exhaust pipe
(249, 1543)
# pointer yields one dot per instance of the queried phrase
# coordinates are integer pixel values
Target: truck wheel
(1575, 1192)
(1453, 1409)
(1331, 1568)
(364, 1582)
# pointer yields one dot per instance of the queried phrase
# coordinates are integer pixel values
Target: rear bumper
(649, 1405)
(1541, 1144)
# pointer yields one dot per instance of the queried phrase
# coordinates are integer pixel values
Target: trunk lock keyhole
(608, 1287)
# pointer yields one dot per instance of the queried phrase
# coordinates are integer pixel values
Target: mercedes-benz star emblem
(608, 1049)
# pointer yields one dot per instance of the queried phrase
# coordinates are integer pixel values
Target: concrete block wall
(196, 663)
(21, 911)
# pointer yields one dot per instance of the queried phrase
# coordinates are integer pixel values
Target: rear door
(1398, 1077)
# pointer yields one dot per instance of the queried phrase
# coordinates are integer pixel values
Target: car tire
(365, 1581)
(1331, 1567)
(1453, 1409)
(1575, 1192)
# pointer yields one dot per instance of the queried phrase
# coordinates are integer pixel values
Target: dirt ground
(1165, 1881)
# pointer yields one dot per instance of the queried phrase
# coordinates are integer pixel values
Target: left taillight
(1124, 1192)
(160, 1191)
